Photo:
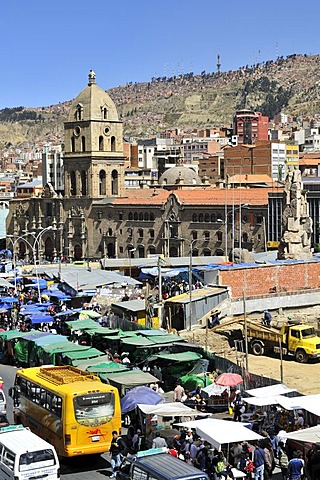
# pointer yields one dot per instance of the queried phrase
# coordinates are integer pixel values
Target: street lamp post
(33, 247)
(190, 282)
(14, 243)
(245, 205)
(130, 251)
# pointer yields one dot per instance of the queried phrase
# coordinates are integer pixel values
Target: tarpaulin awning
(179, 357)
(12, 334)
(310, 403)
(82, 354)
(262, 401)
(310, 435)
(63, 347)
(271, 390)
(214, 389)
(159, 340)
(68, 312)
(108, 367)
(98, 330)
(131, 377)
(137, 341)
(82, 324)
(40, 318)
(176, 409)
(219, 432)
(137, 395)
(84, 314)
(8, 300)
(50, 339)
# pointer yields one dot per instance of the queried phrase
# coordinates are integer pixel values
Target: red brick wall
(271, 279)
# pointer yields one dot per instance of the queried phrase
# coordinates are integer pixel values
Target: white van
(24, 455)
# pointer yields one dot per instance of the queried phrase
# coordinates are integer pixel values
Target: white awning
(270, 391)
(219, 432)
(169, 410)
(311, 435)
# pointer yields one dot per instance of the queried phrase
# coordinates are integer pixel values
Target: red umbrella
(229, 379)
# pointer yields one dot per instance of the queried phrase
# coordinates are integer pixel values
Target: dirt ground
(303, 377)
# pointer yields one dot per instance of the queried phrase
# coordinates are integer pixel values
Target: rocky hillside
(290, 84)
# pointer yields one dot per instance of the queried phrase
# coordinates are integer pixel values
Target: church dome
(93, 103)
(179, 175)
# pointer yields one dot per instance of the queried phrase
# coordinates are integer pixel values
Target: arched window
(152, 250)
(213, 217)
(200, 217)
(194, 217)
(140, 216)
(140, 232)
(101, 143)
(130, 216)
(206, 252)
(104, 111)
(141, 251)
(79, 112)
(152, 217)
(113, 144)
(102, 183)
(146, 217)
(219, 216)
(135, 216)
(194, 234)
(83, 183)
(73, 184)
(83, 143)
(206, 217)
(195, 252)
(110, 232)
(73, 144)
(245, 237)
(114, 182)
(219, 236)
(206, 235)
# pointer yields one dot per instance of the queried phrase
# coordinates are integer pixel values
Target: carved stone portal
(295, 242)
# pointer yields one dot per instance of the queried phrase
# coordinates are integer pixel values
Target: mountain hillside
(289, 84)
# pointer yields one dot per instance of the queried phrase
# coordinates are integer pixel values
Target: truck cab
(303, 342)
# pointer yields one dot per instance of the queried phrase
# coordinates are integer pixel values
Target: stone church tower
(93, 156)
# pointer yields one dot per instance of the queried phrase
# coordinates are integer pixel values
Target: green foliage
(17, 114)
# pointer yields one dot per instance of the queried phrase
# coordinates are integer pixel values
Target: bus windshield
(37, 459)
(94, 409)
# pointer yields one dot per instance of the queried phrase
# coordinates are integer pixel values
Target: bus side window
(57, 405)
(8, 459)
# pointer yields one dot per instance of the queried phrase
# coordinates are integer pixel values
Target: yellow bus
(70, 408)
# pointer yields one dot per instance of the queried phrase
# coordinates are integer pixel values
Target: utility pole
(245, 331)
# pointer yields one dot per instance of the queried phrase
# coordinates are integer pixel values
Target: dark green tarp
(179, 357)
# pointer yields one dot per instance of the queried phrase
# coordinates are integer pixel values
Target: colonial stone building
(97, 217)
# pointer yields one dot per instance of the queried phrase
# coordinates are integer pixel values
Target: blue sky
(48, 47)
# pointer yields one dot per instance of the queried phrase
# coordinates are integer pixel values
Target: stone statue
(296, 223)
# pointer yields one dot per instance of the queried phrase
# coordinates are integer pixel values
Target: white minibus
(24, 455)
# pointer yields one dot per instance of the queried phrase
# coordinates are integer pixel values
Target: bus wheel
(301, 356)
(257, 348)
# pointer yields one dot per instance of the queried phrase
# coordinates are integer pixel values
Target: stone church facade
(97, 217)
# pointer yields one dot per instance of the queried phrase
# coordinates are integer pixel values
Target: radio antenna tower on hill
(218, 64)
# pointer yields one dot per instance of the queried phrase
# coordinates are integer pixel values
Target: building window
(194, 217)
(194, 234)
(206, 217)
(130, 216)
(206, 236)
(73, 144)
(113, 144)
(73, 184)
(200, 217)
(213, 218)
(152, 217)
(120, 215)
(151, 232)
(121, 249)
(49, 209)
(114, 182)
(245, 237)
(101, 143)
(135, 216)
(83, 177)
(140, 233)
(146, 217)
(83, 143)
(219, 236)
(141, 217)
(259, 219)
(102, 183)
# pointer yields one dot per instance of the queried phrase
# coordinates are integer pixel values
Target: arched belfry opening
(102, 183)
(114, 182)
(73, 184)
(113, 144)
(83, 183)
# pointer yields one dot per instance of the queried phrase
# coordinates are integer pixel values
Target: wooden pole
(245, 332)
(281, 361)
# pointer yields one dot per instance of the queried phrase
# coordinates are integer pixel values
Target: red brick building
(250, 126)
